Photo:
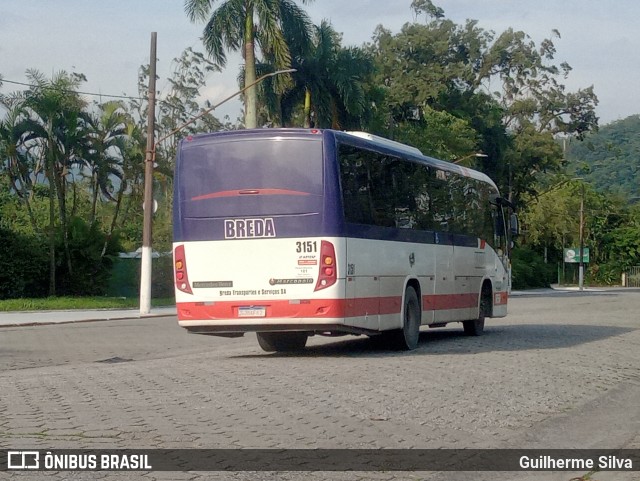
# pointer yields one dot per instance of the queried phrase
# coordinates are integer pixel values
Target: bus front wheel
(282, 341)
(475, 327)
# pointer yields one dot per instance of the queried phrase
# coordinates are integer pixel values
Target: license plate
(252, 311)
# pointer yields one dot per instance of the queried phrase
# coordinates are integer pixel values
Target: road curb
(77, 317)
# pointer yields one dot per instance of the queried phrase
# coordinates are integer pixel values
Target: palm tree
(239, 24)
(105, 151)
(330, 81)
(16, 161)
(53, 131)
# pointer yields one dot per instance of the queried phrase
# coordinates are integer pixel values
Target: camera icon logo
(23, 460)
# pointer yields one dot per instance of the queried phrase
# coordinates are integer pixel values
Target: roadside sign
(572, 255)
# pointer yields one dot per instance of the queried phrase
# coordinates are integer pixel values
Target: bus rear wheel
(282, 341)
(407, 338)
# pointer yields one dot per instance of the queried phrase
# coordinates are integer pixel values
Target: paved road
(559, 372)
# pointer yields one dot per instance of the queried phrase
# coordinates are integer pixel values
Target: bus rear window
(244, 172)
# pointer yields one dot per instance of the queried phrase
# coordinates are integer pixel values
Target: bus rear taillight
(180, 270)
(328, 268)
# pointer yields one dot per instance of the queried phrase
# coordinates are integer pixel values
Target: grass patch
(65, 303)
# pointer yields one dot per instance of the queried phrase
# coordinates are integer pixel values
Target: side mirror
(514, 225)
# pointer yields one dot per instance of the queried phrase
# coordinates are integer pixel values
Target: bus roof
(391, 143)
(387, 146)
(364, 139)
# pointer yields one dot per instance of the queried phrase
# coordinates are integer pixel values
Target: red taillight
(328, 271)
(180, 270)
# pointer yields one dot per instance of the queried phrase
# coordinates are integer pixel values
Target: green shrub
(606, 274)
(162, 277)
(90, 268)
(23, 265)
(125, 277)
(528, 269)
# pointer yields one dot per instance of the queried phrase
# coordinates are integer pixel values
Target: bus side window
(356, 185)
(405, 194)
(440, 201)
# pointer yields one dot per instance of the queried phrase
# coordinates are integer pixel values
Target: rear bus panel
(245, 285)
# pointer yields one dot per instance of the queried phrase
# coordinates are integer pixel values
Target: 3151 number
(307, 247)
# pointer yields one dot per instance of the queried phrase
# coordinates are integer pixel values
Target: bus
(291, 233)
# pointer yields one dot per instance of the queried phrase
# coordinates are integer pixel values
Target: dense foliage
(530, 269)
(23, 265)
(611, 228)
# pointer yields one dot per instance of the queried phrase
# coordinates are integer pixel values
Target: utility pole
(581, 263)
(145, 268)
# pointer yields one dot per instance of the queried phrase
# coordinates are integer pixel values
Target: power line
(71, 91)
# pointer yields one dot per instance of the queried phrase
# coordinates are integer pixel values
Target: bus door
(470, 258)
(422, 261)
(445, 288)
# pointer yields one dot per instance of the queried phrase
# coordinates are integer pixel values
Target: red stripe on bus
(328, 308)
(313, 308)
(363, 306)
(442, 302)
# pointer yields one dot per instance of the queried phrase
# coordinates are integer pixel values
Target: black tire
(408, 337)
(475, 327)
(282, 341)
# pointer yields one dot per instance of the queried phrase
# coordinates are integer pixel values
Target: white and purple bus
(297, 232)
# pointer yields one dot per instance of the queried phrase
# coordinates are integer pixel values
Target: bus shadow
(516, 337)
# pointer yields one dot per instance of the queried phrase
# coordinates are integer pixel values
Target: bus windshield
(222, 178)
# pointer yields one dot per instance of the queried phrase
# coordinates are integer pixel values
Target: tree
(443, 66)
(53, 129)
(17, 163)
(438, 134)
(532, 93)
(106, 134)
(422, 72)
(536, 107)
(330, 83)
(180, 104)
(240, 24)
(531, 152)
(551, 218)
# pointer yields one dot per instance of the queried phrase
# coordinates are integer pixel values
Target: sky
(108, 40)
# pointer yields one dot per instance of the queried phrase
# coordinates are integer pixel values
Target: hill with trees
(609, 158)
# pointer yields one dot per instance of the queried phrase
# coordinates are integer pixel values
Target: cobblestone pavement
(558, 372)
